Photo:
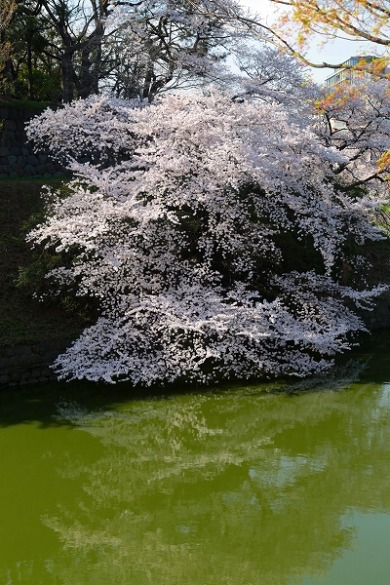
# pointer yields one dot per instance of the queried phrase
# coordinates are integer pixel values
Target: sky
(335, 51)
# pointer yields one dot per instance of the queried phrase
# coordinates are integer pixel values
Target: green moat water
(238, 486)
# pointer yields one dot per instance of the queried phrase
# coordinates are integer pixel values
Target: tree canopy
(359, 19)
(300, 20)
(218, 233)
(65, 50)
(213, 233)
(355, 19)
(7, 7)
(59, 50)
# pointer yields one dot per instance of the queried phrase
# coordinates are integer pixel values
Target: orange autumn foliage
(366, 20)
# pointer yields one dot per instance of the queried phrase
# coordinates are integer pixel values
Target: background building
(352, 71)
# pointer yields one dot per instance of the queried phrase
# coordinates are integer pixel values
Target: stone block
(32, 159)
(10, 125)
(29, 170)
(9, 138)
(20, 137)
(19, 350)
(36, 371)
(50, 168)
(4, 363)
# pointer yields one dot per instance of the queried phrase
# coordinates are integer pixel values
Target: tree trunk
(67, 71)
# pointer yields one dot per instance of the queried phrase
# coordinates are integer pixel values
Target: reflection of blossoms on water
(338, 378)
(72, 412)
(220, 488)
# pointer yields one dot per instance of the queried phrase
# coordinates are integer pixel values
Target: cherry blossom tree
(355, 120)
(211, 232)
(269, 74)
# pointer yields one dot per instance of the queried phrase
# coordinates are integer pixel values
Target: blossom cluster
(210, 232)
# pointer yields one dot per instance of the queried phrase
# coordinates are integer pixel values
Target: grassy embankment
(23, 319)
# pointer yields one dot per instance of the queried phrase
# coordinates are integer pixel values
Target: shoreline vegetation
(24, 321)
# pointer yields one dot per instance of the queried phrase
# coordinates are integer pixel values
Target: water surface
(247, 485)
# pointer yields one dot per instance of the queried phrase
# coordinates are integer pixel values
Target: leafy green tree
(7, 8)
(33, 74)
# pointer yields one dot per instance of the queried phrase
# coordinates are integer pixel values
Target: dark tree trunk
(67, 71)
(30, 72)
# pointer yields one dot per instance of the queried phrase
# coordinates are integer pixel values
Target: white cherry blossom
(210, 231)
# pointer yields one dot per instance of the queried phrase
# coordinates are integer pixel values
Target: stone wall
(29, 364)
(17, 157)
